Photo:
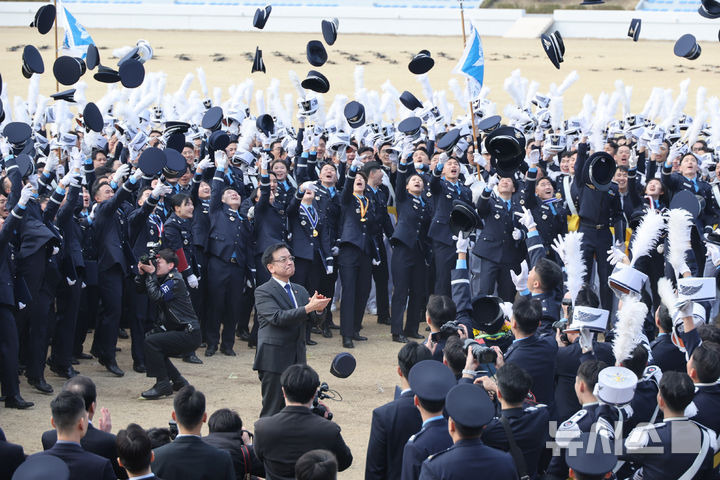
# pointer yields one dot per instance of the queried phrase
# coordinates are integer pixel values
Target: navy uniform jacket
(284, 193)
(142, 229)
(495, 242)
(7, 257)
(234, 178)
(551, 301)
(353, 230)
(466, 459)
(550, 216)
(596, 207)
(707, 405)
(443, 194)
(11, 456)
(674, 182)
(95, 441)
(568, 361)
(666, 355)
(178, 237)
(111, 232)
(304, 245)
(72, 254)
(432, 438)
(529, 427)
(82, 464)
(536, 356)
(230, 234)
(201, 215)
(392, 426)
(644, 403)
(379, 202)
(270, 226)
(414, 214)
(648, 447)
(629, 202)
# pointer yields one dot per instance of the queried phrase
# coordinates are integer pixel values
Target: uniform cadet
(688, 179)
(89, 297)
(234, 177)
(357, 252)
(499, 245)
(469, 410)
(411, 253)
(629, 198)
(548, 212)
(379, 196)
(431, 381)
(704, 369)
(664, 352)
(270, 216)
(285, 184)
(8, 330)
(528, 426)
(200, 194)
(644, 404)
(676, 447)
(445, 188)
(230, 253)
(395, 422)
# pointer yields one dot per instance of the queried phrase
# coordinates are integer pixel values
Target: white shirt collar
(282, 284)
(148, 475)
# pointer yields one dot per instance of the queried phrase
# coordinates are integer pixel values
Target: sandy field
(230, 382)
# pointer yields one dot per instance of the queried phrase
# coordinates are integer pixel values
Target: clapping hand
(317, 303)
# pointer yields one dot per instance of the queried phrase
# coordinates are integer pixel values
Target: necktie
(289, 292)
(509, 205)
(552, 209)
(695, 184)
(332, 191)
(311, 211)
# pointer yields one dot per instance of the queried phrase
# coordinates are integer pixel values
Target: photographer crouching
(177, 331)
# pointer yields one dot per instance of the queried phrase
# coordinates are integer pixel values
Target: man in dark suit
(135, 452)
(227, 434)
(394, 422)
(70, 419)
(282, 439)
(283, 309)
(11, 456)
(188, 457)
(95, 440)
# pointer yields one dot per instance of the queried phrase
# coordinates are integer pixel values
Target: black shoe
(348, 342)
(112, 367)
(310, 342)
(192, 358)
(414, 335)
(427, 329)
(243, 335)
(327, 333)
(122, 333)
(316, 330)
(40, 384)
(359, 338)
(252, 343)
(399, 338)
(17, 402)
(210, 351)
(228, 352)
(139, 367)
(67, 372)
(383, 321)
(84, 356)
(159, 390)
(179, 383)
(74, 361)
(333, 326)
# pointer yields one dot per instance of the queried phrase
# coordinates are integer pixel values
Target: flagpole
(57, 85)
(476, 140)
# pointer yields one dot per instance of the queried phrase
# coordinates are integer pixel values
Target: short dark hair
(588, 372)
(706, 360)
(454, 354)
(664, 318)
(189, 405)
(267, 256)
(467, 432)
(300, 383)
(637, 361)
(159, 437)
(677, 389)
(66, 409)
(527, 313)
(316, 465)
(513, 382)
(168, 255)
(134, 448)
(410, 354)
(550, 274)
(83, 386)
(225, 420)
(179, 199)
(709, 332)
(441, 309)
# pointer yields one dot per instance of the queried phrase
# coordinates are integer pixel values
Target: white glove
(356, 164)
(315, 142)
(684, 307)
(305, 186)
(161, 190)
(526, 220)
(616, 254)
(70, 281)
(533, 159)
(342, 153)
(307, 140)
(335, 251)
(393, 157)
(559, 246)
(220, 160)
(407, 149)
(21, 306)
(76, 161)
(51, 162)
(87, 143)
(442, 158)
(4, 148)
(251, 213)
(479, 160)
(492, 181)
(586, 340)
(55, 251)
(66, 180)
(91, 215)
(673, 153)
(121, 173)
(539, 135)
(507, 310)
(520, 280)
(633, 160)
(25, 194)
(264, 162)
(329, 269)
(516, 234)
(192, 281)
(714, 252)
(137, 174)
(204, 164)
(375, 262)
(462, 244)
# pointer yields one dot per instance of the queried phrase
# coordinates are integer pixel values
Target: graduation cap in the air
(330, 29)
(175, 140)
(132, 73)
(316, 53)
(410, 101)
(32, 61)
(448, 140)
(219, 140)
(106, 75)
(410, 127)
(421, 63)
(355, 114)
(67, 95)
(599, 171)
(261, 17)
(175, 164)
(25, 164)
(463, 218)
(44, 19)
(151, 161)
(92, 59)
(92, 117)
(343, 365)
(212, 120)
(258, 63)
(687, 47)
(488, 124)
(554, 47)
(316, 82)
(506, 146)
(709, 9)
(634, 30)
(68, 70)
(17, 133)
(265, 124)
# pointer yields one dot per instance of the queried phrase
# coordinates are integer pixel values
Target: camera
(447, 330)
(562, 325)
(173, 429)
(321, 394)
(149, 258)
(481, 352)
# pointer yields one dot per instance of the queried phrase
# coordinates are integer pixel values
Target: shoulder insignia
(652, 372)
(535, 407)
(639, 437)
(574, 419)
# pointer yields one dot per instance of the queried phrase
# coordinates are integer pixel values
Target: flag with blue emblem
(472, 62)
(77, 38)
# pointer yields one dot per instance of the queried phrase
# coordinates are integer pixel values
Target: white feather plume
(667, 294)
(650, 101)
(512, 87)
(531, 92)
(679, 222)
(295, 80)
(260, 102)
(693, 132)
(678, 105)
(556, 113)
(359, 75)
(700, 99)
(459, 94)
(628, 329)
(628, 100)
(203, 81)
(568, 82)
(182, 91)
(42, 104)
(79, 96)
(647, 235)
(426, 88)
(574, 264)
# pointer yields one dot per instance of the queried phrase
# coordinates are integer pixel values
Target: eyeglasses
(289, 259)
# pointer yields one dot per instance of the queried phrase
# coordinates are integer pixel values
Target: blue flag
(76, 38)
(472, 62)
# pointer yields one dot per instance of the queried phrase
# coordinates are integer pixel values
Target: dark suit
(283, 438)
(392, 426)
(281, 338)
(537, 357)
(95, 441)
(83, 465)
(11, 456)
(189, 458)
(243, 456)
